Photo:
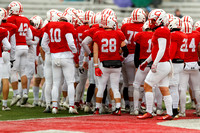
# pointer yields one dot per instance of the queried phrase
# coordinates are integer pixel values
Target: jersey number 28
(108, 45)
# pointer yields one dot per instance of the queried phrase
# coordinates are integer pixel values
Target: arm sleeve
(35, 42)
(70, 41)
(29, 35)
(13, 46)
(45, 42)
(85, 43)
(149, 59)
(162, 42)
(137, 55)
(173, 48)
(6, 44)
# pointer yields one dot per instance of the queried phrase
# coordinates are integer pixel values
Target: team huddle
(150, 59)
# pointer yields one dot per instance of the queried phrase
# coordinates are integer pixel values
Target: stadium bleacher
(39, 7)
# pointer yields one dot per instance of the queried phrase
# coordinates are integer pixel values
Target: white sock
(136, 95)
(149, 101)
(175, 96)
(15, 92)
(71, 94)
(25, 91)
(168, 104)
(158, 97)
(4, 103)
(55, 104)
(197, 97)
(28, 84)
(43, 92)
(36, 93)
(131, 104)
(182, 101)
(113, 102)
(98, 105)
(118, 105)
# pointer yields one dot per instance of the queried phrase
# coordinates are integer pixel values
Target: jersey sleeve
(121, 36)
(96, 37)
(10, 20)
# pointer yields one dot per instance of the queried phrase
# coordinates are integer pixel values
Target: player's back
(57, 32)
(144, 40)
(22, 24)
(179, 38)
(191, 51)
(109, 43)
(130, 30)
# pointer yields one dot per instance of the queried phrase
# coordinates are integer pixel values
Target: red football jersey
(79, 32)
(56, 32)
(22, 24)
(12, 29)
(161, 32)
(198, 29)
(130, 30)
(3, 34)
(90, 32)
(191, 49)
(144, 39)
(109, 44)
(178, 40)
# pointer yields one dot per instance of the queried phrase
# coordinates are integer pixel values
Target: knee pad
(14, 76)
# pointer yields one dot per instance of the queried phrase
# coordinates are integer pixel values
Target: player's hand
(98, 71)
(6, 56)
(153, 68)
(143, 65)
(77, 65)
(85, 65)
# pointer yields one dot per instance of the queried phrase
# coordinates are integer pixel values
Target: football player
(161, 67)
(130, 30)
(142, 52)
(107, 44)
(23, 36)
(4, 60)
(58, 40)
(191, 69)
(178, 38)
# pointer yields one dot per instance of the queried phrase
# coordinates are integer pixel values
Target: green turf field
(17, 113)
(28, 113)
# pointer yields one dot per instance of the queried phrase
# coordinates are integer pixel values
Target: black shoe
(175, 112)
(47, 110)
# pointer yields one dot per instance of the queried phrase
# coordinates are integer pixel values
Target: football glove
(98, 72)
(143, 65)
(153, 68)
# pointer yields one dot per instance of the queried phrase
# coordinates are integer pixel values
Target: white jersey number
(149, 47)
(109, 45)
(55, 35)
(192, 45)
(132, 34)
(23, 29)
(184, 46)
(79, 37)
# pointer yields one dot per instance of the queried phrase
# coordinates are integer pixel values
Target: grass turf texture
(17, 113)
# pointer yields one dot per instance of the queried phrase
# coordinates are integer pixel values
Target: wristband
(85, 59)
(96, 65)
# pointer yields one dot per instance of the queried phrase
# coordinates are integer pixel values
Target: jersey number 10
(55, 35)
